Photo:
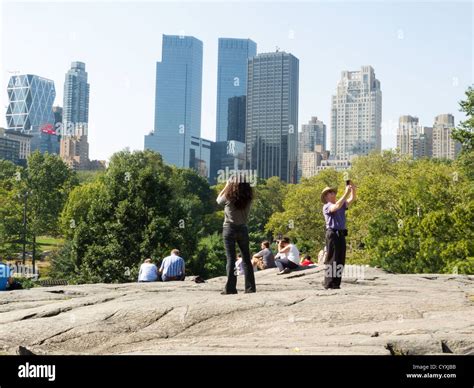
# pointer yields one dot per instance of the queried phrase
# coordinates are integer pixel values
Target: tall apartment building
(356, 114)
(414, 139)
(443, 145)
(25, 143)
(311, 161)
(74, 151)
(9, 148)
(312, 134)
(74, 147)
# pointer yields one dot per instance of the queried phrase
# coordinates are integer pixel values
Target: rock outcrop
(373, 313)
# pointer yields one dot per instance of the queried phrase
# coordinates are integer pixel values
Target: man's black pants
(335, 259)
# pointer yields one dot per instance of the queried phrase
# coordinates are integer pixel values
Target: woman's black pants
(238, 234)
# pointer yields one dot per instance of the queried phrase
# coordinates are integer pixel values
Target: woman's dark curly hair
(240, 193)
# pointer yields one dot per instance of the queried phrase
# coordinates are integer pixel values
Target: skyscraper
(226, 156)
(312, 134)
(236, 119)
(9, 148)
(413, 139)
(75, 152)
(443, 145)
(76, 96)
(74, 149)
(25, 143)
(272, 115)
(231, 78)
(407, 129)
(426, 142)
(356, 114)
(58, 124)
(177, 100)
(58, 116)
(311, 161)
(30, 110)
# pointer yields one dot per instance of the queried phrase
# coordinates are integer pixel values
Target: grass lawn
(48, 243)
(44, 244)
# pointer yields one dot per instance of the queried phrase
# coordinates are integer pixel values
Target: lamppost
(25, 204)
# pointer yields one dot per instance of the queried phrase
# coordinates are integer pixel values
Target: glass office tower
(76, 95)
(272, 116)
(236, 118)
(30, 110)
(231, 77)
(177, 100)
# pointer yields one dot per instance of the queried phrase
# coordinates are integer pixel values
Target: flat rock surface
(373, 313)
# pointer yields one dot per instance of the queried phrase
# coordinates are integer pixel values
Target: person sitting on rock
(306, 260)
(288, 256)
(5, 277)
(172, 267)
(148, 272)
(264, 259)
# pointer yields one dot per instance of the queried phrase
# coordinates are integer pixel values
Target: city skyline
(424, 88)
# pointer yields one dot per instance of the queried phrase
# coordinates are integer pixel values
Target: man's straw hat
(326, 190)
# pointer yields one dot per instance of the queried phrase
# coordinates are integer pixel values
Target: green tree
(194, 205)
(268, 200)
(139, 208)
(209, 258)
(411, 216)
(465, 132)
(88, 176)
(44, 185)
(10, 209)
(47, 184)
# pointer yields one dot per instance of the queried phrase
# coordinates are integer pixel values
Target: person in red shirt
(306, 260)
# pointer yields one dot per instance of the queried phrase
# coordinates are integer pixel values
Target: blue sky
(421, 53)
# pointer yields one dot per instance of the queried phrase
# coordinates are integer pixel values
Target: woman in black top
(237, 197)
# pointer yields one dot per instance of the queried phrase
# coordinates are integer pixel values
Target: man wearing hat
(336, 232)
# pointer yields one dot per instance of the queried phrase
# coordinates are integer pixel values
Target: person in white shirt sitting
(288, 256)
(148, 272)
